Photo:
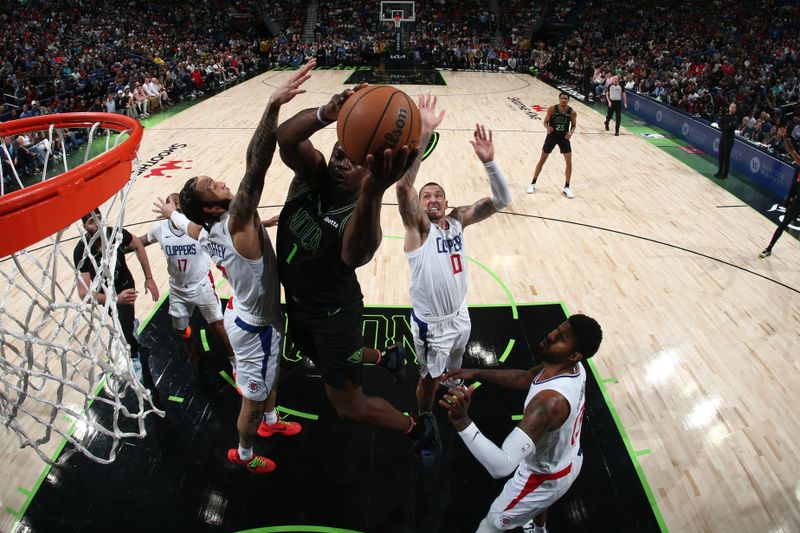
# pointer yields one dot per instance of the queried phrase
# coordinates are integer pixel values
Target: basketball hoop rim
(34, 212)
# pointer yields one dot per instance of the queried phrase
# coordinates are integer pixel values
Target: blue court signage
(772, 174)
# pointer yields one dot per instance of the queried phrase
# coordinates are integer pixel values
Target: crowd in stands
(698, 60)
(79, 56)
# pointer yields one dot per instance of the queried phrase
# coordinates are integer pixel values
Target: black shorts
(333, 341)
(552, 140)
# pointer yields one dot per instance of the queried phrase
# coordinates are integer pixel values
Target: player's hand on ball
(331, 110)
(387, 168)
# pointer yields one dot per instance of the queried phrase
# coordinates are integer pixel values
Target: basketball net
(398, 17)
(65, 367)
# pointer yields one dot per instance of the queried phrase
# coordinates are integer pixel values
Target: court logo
(539, 108)
(163, 170)
(431, 145)
(794, 224)
(531, 111)
(755, 165)
(636, 105)
(156, 161)
(716, 144)
(685, 129)
(659, 116)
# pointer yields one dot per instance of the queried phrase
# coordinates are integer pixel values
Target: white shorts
(256, 350)
(440, 343)
(528, 493)
(182, 303)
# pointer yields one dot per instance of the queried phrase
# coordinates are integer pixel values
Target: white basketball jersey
(439, 272)
(187, 261)
(557, 449)
(256, 292)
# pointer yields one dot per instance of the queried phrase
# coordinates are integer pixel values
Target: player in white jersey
(434, 247)
(545, 447)
(191, 283)
(239, 245)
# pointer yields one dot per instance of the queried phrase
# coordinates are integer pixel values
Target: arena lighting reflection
(213, 511)
(703, 413)
(661, 368)
(482, 352)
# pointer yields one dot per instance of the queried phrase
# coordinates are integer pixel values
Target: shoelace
(256, 462)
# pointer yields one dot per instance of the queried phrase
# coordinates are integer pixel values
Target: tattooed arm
(260, 152)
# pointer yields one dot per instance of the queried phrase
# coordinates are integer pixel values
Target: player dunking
(560, 122)
(239, 245)
(545, 447)
(191, 283)
(434, 247)
(330, 225)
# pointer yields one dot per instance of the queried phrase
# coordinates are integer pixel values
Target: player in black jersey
(330, 226)
(560, 123)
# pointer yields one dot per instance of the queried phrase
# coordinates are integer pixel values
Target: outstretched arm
(501, 194)
(505, 377)
(546, 411)
(261, 149)
(416, 223)
(293, 136)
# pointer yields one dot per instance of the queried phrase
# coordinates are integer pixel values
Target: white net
(65, 366)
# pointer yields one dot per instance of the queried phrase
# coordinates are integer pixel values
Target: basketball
(375, 118)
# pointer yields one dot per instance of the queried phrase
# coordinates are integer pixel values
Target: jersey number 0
(455, 262)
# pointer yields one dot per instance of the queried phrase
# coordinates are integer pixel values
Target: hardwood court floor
(701, 336)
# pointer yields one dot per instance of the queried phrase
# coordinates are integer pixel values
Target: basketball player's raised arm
(362, 233)
(546, 411)
(261, 149)
(296, 149)
(501, 194)
(414, 221)
(168, 210)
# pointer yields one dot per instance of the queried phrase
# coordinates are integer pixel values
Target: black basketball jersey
(123, 279)
(309, 255)
(560, 121)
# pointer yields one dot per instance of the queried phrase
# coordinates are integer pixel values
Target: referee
(615, 96)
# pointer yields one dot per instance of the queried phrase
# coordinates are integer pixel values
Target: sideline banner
(768, 172)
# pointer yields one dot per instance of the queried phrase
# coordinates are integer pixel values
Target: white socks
(245, 454)
(271, 417)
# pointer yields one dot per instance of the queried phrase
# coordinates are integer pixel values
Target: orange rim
(35, 212)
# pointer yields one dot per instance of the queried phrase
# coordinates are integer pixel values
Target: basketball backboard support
(389, 11)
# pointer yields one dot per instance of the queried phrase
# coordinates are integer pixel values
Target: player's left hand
(482, 144)
(164, 209)
(151, 287)
(457, 401)
(291, 87)
(387, 168)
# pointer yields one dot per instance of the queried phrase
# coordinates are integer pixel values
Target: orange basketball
(375, 118)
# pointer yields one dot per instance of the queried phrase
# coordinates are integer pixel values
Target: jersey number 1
(455, 262)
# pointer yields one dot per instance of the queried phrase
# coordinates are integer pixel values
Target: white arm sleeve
(501, 194)
(180, 220)
(500, 462)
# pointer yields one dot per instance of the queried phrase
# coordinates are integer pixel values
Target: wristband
(322, 119)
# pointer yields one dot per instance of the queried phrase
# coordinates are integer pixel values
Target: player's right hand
(164, 209)
(331, 111)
